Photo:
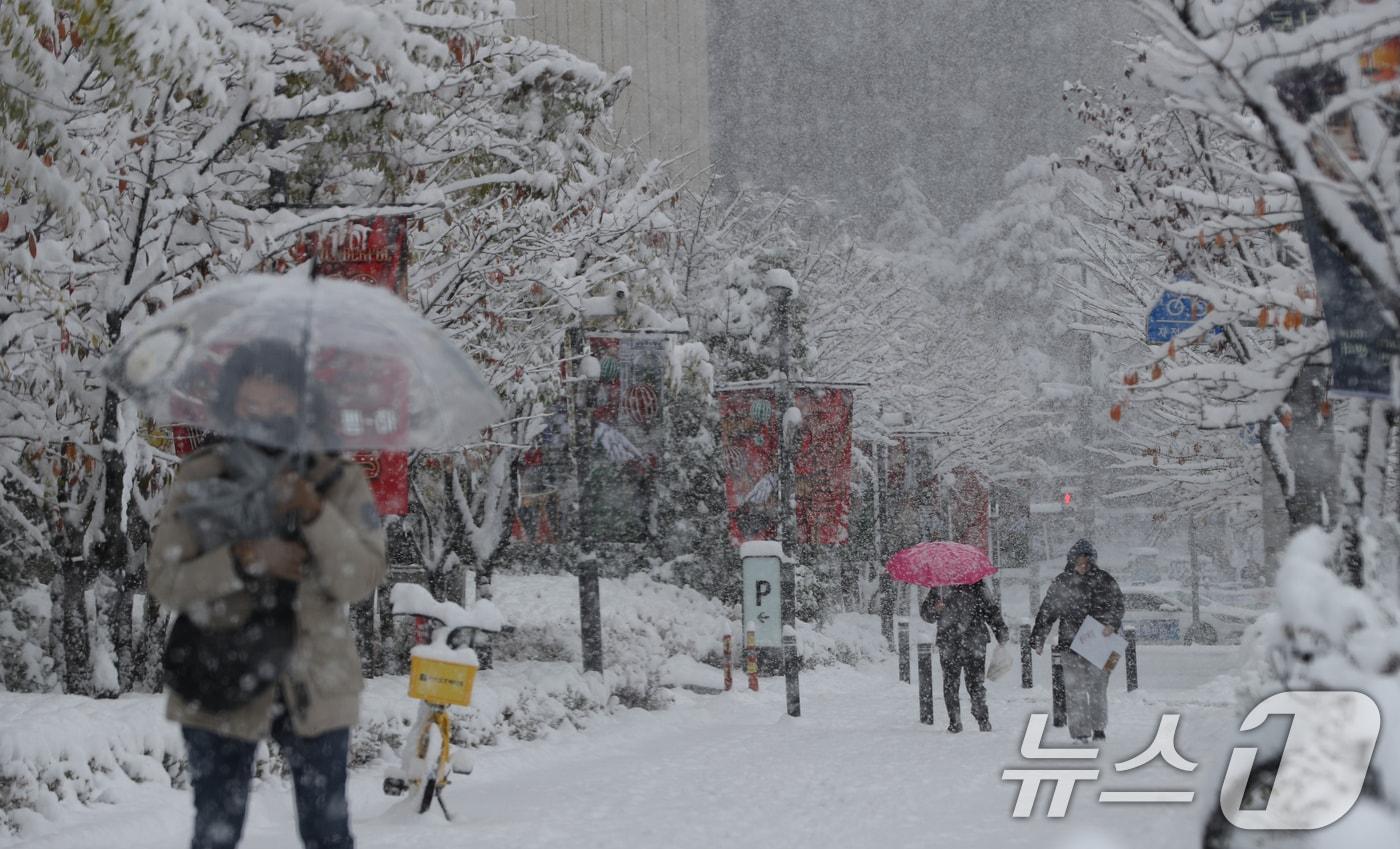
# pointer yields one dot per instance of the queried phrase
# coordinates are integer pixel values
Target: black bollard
(1130, 634)
(903, 629)
(1057, 688)
(1026, 678)
(792, 664)
(925, 682)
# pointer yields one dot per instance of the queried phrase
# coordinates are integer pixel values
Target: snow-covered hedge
(58, 751)
(646, 621)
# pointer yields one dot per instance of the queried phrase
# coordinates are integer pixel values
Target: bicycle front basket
(440, 681)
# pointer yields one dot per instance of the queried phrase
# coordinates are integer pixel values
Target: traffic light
(1067, 501)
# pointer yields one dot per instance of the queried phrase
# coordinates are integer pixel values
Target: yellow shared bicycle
(441, 673)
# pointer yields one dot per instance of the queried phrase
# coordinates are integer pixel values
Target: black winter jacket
(969, 613)
(1071, 598)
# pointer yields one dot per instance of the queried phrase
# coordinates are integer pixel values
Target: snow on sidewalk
(857, 769)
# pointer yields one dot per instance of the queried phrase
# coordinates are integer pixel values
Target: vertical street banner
(1362, 342)
(544, 474)
(822, 465)
(372, 251)
(749, 439)
(971, 508)
(1012, 525)
(915, 512)
(628, 438)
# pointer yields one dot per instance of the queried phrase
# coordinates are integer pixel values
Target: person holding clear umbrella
(281, 582)
(268, 534)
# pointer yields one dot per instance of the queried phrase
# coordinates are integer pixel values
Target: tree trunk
(1365, 435)
(112, 550)
(149, 650)
(77, 650)
(122, 635)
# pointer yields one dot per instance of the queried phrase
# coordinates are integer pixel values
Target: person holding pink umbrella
(966, 613)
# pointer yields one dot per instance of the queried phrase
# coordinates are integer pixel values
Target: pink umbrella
(940, 564)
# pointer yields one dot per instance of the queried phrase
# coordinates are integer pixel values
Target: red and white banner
(749, 427)
(373, 251)
(749, 440)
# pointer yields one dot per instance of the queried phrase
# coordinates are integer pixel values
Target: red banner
(372, 251)
(749, 439)
(749, 427)
(822, 465)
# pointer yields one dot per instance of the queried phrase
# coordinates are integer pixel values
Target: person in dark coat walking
(1080, 591)
(966, 616)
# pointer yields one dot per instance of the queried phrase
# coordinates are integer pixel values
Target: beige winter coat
(322, 682)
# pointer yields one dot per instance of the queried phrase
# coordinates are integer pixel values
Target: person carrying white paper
(1081, 591)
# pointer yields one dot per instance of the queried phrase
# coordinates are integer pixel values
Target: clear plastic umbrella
(363, 369)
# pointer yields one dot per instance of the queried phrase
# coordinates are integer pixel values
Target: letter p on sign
(1323, 766)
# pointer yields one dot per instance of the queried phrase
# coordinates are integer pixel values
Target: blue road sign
(1173, 313)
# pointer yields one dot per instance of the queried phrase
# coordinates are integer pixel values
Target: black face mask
(276, 432)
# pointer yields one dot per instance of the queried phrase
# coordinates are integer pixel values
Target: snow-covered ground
(857, 769)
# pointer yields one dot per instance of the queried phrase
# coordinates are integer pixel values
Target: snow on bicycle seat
(413, 600)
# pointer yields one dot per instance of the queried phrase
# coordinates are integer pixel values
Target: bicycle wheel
(431, 755)
(429, 790)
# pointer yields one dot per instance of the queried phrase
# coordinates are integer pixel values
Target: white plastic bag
(999, 663)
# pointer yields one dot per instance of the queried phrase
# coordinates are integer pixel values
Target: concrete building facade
(666, 109)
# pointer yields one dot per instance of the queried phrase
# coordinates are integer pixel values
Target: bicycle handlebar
(413, 600)
(504, 630)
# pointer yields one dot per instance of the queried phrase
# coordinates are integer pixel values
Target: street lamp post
(780, 288)
(586, 566)
(782, 295)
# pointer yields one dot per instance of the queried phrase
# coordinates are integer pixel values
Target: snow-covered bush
(851, 638)
(26, 616)
(645, 622)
